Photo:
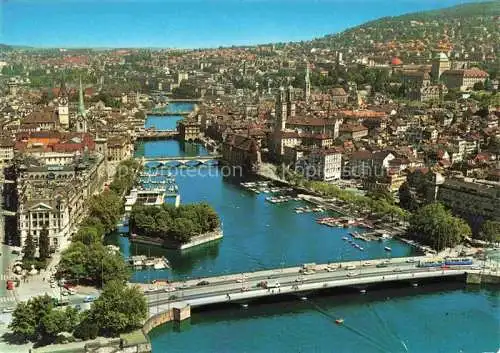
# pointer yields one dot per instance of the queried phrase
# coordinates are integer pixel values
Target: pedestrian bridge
(245, 287)
(212, 159)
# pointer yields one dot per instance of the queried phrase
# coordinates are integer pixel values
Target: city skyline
(114, 24)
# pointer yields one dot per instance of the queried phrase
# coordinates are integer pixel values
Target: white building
(320, 164)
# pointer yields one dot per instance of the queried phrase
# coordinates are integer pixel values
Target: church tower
(308, 84)
(81, 115)
(290, 100)
(281, 109)
(440, 64)
(63, 105)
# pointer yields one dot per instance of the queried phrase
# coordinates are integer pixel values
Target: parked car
(8, 310)
(89, 299)
(203, 283)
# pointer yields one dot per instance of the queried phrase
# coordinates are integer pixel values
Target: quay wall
(178, 313)
(100, 345)
(483, 278)
(172, 244)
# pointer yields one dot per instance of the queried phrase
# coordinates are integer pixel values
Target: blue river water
(258, 235)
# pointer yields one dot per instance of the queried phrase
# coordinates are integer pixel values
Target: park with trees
(170, 223)
(119, 309)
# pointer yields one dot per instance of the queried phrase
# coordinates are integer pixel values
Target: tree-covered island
(171, 224)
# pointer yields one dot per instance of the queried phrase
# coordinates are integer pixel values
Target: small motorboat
(339, 321)
(387, 248)
(344, 238)
(303, 299)
(244, 306)
(363, 291)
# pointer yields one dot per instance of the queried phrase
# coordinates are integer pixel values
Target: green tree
(118, 309)
(478, 86)
(23, 323)
(87, 328)
(44, 244)
(489, 231)
(29, 247)
(107, 208)
(57, 321)
(437, 227)
(27, 318)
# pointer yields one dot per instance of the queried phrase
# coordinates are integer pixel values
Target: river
(259, 235)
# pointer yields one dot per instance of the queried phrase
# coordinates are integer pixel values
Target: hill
(470, 28)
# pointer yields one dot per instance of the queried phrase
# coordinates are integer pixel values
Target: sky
(188, 23)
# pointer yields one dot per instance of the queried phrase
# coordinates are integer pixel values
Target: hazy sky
(188, 23)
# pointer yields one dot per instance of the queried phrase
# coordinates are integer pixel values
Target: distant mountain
(472, 28)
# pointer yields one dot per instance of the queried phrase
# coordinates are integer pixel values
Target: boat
(339, 321)
(299, 211)
(387, 248)
(244, 306)
(363, 291)
(344, 238)
(160, 265)
(361, 248)
(303, 299)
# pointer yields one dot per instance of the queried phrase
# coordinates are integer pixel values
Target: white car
(352, 274)
(8, 310)
(350, 267)
(410, 261)
(170, 289)
(396, 269)
(240, 280)
(367, 263)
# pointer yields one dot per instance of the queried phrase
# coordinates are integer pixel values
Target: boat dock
(157, 263)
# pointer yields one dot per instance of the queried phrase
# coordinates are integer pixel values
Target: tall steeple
(81, 115)
(308, 84)
(81, 104)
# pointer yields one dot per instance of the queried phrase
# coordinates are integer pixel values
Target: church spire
(308, 84)
(81, 105)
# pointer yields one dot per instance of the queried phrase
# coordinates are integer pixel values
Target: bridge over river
(242, 288)
(204, 159)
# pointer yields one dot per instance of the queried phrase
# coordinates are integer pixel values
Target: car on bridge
(203, 283)
(352, 274)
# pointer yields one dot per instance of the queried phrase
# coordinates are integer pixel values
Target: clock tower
(62, 106)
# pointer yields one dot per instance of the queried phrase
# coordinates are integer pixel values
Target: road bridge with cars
(241, 288)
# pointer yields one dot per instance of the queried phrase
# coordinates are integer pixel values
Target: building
(353, 131)
(242, 151)
(471, 198)
(189, 130)
(339, 96)
(463, 79)
(364, 164)
(63, 106)
(118, 148)
(440, 64)
(54, 196)
(320, 164)
(6, 150)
